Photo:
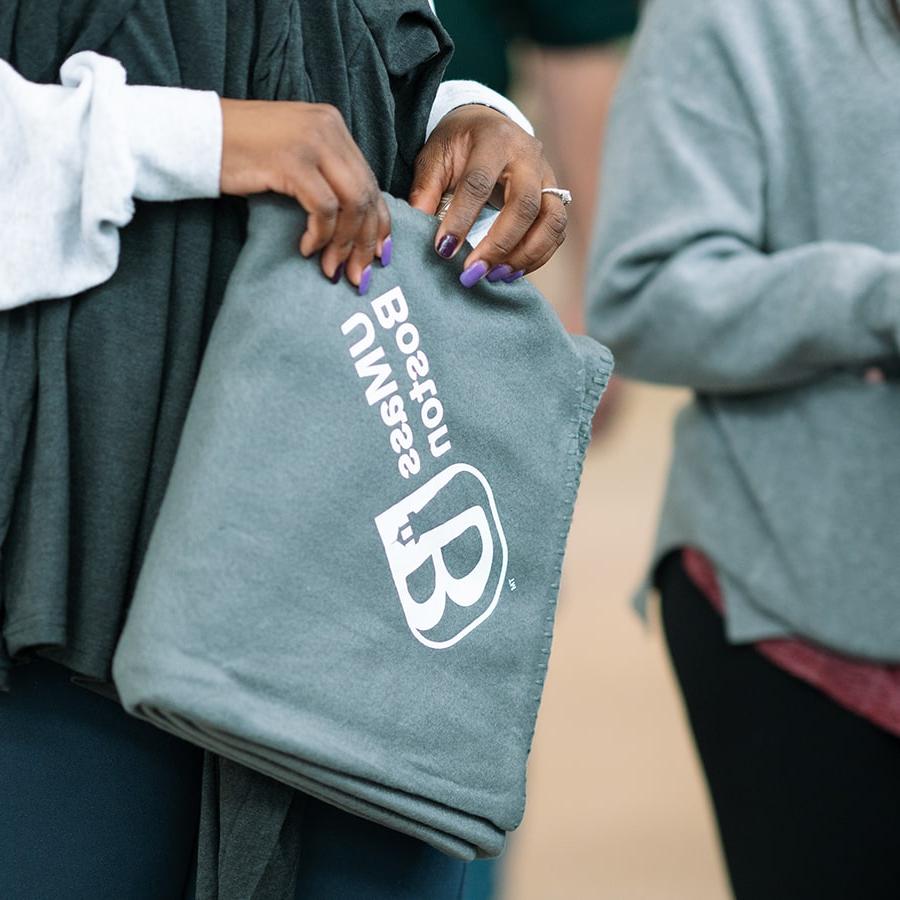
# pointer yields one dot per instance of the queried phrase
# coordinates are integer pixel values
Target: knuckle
(528, 207)
(367, 246)
(330, 114)
(503, 125)
(363, 205)
(502, 248)
(426, 160)
(327, 208)
(318, 138)
(557, 223)
(479, 183)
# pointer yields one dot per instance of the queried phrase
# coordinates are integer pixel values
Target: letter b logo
(447, 554)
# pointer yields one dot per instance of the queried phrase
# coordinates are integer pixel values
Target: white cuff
(175, 137)
(453, 94)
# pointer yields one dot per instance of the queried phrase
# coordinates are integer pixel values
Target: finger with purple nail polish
(387, 251)
(514, 277)
(473, 274)
(365, 281)
(498, 273)
(338, 273)
(447, 246)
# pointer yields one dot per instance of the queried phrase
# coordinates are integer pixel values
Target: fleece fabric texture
(352, 581)
(749, 248)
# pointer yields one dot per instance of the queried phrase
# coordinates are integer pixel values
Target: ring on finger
(560, 193)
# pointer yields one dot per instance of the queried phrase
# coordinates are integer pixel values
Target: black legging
(807, 794)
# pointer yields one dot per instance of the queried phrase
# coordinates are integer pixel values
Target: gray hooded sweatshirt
(748, 248)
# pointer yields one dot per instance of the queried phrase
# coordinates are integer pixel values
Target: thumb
(431, 178)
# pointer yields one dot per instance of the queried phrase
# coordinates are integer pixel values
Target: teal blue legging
(95, 804)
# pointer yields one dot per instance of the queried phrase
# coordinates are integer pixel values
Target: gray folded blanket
(352, 581)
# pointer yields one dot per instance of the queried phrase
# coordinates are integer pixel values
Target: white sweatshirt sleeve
(72, 158)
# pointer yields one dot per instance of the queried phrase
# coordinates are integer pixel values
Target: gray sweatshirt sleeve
(683, 287)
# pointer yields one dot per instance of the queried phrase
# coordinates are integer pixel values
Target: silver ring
(564, 195)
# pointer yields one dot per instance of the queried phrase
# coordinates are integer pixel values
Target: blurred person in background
(749, 248)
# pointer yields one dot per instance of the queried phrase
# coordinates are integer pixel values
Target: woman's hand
(480, 154)
(304, 150)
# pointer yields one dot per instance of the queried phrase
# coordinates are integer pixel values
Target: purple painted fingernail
(447, 246)
(498, 273)
(514, 277)
(365, 280)
(473, 274)
(387, 251)
(338, 272)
